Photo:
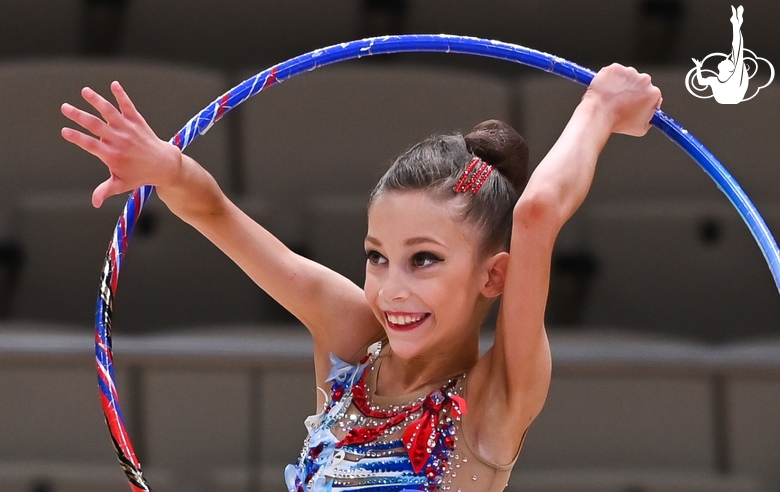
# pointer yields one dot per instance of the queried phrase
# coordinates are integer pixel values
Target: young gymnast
(406, 401)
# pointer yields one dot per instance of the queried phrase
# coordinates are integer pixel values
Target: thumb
(110, 187)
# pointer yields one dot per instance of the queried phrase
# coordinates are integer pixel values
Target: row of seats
(334, 131)
(241, 32)
(654, 246)
(206, 406)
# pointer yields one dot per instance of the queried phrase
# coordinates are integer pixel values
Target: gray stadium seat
(652, 167)
(752, 398)
(235, 479)
(742, 137)
(51, 413)
(336, 233)
(334, 132)
(628, 412)
(685, 268)
(224, 396)
(595, 480)
(624, 170)
(62, 476)
(171, 275)
(613, 421)
(547, 26)
(546, 103)
(47, 27)
(205, 398)
(281, 433)
(673, 201)
(36, 158)
(233, 33)
(282, 443)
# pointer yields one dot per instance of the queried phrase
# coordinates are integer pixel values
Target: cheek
(371, 294)
(445, 294)
(369, 288)
(457, 290)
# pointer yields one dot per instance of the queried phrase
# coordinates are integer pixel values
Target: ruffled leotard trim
(355, 445)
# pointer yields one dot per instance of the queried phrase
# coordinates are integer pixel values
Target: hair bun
(498, 144)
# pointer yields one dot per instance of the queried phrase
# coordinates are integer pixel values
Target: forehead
(398, 215)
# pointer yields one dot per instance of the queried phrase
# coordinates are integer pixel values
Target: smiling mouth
(405, 321)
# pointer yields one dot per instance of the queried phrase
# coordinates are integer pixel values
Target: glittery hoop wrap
(442, 43)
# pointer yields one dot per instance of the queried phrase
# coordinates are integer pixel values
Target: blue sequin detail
(380, 466)
(374, 446)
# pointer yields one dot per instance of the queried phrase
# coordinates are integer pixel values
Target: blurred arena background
(663, 316)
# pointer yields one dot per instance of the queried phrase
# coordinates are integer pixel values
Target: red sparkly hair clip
(473, 179)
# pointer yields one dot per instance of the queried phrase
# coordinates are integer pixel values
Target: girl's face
(424, 277)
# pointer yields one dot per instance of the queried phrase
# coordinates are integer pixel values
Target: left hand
(627, 98)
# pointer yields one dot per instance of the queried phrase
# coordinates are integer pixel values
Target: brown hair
(437, 163)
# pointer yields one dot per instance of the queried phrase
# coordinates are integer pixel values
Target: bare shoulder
(348, 339)
(349, 324)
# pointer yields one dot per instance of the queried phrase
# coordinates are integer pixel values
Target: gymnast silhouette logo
(730, 84)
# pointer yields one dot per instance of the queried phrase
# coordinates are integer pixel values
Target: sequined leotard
(366, 442)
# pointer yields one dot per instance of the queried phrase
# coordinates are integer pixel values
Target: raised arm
(516, 371)
(333, 308)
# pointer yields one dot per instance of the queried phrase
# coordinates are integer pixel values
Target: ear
(496, 266)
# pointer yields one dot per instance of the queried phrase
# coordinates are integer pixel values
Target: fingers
(122, 140)
(88, 121)
(629, 97)
(126, 106)
(654, 100)
(105, 108)
(90, 144)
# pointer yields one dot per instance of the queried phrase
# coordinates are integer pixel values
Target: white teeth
(403, 320)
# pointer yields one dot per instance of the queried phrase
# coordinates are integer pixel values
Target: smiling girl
(406, 401)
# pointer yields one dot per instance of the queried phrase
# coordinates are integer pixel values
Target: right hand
(133, 153)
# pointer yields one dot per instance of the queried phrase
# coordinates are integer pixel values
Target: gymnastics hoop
(441, 43)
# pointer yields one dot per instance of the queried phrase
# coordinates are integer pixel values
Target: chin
(406, 348)
(408, 345)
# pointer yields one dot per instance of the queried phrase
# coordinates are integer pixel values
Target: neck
(400, 376)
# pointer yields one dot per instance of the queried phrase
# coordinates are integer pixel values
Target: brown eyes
(375, 258)
(425, 259)
(419, 260)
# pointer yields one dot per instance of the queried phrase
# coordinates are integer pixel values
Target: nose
(394, 286)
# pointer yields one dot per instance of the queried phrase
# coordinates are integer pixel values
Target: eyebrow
(409, 242)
